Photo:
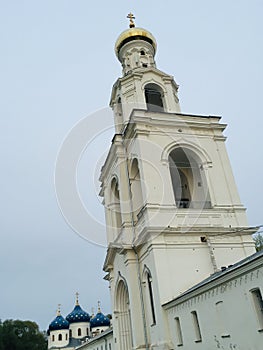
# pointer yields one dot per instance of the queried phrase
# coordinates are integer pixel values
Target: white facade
(174, 221)
(172, 208)
(221, 313)
(58, 339)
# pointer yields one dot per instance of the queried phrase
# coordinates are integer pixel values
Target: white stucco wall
(225, 310)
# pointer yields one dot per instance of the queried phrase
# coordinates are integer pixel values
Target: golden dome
(134, 34)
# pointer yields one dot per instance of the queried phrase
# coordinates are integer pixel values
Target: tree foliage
(21, 335)
(258, 239)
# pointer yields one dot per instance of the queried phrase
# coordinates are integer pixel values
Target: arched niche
(122, 303)
(136, 188)
(188, 179)
(115, 204)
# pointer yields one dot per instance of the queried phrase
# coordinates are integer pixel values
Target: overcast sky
(57, 67)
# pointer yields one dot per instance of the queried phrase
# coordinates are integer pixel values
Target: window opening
(150, 289)
(178, 331)
(60, 337)
(198, 337)
(79, 332)
(258, 304)
(186, 174)
(154, 98)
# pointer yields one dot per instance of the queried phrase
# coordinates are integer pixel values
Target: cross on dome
(58, 310)
(131, 18)
(77, 298)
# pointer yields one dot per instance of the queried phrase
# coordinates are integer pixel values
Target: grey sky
(58, 66)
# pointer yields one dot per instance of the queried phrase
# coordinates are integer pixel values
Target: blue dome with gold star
(99, 320)
(58, 323)
(78, 314)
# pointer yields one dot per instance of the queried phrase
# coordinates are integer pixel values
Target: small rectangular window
(221, 320)
(198, 337)
(258, 304)
(178, 332)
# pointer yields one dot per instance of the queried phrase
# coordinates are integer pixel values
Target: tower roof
(58, 323)
(78, 314)
(99, 319)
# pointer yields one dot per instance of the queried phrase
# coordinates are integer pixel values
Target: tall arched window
(136, 189)
(188, 179)
(79, 332)
(124, 322)
(149, 297)
(154, 98)
(60, 337)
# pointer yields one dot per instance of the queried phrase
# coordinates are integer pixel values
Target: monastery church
(181, 262)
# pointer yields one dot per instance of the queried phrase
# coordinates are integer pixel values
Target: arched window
(150, 292)
(60, 337)
(136, 189)
(70, 333)
(66, 337)
(124, 322)
(79, 332)
(154, 98)
(53, 337)
(188, 179)
(115, 204)
(148, 296)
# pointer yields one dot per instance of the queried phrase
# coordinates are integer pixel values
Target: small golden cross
(58, 310)
(77, 298)
(131, 18)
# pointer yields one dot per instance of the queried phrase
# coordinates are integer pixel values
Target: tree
(258, 239)
(21, 335)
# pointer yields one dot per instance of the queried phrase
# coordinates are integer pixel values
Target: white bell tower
(172, 208)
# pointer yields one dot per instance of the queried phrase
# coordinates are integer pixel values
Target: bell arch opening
(188, 179)
(154, 98)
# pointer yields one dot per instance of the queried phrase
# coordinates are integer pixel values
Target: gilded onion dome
(134, 34)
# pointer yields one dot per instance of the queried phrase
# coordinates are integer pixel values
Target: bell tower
(142, 85)
(173, 212)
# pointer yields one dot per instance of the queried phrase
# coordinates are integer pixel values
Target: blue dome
(100, 320)
(58, 323)
(78, 315)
